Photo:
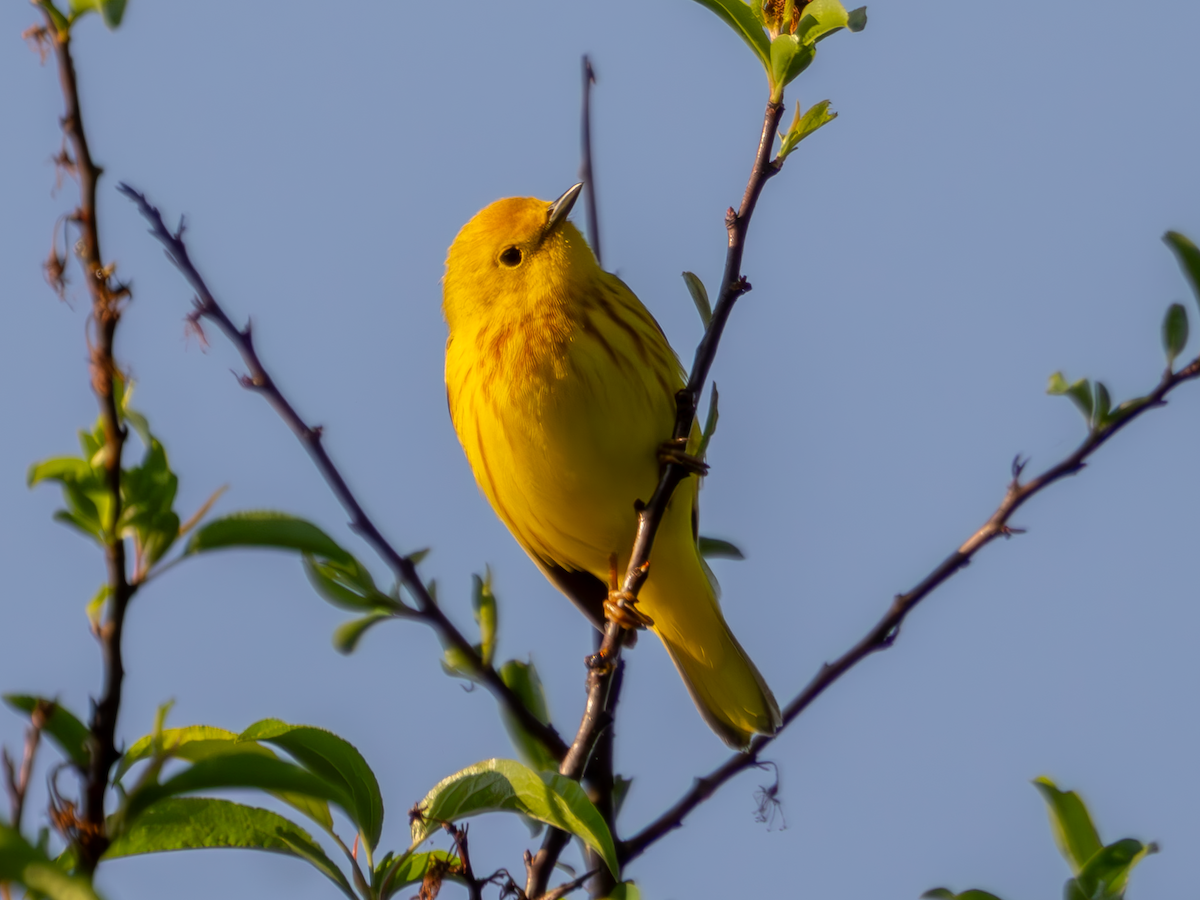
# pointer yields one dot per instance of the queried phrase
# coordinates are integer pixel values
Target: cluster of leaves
(1093, 399)
(1099, 871)
(111, 11)
(158, 809)
(784, 35)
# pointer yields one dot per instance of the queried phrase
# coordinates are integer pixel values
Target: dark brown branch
(586, 172)
(259, 380)
(597, 715)
(885, 631)
(107, 298)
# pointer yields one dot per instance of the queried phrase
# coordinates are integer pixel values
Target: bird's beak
(561, 208)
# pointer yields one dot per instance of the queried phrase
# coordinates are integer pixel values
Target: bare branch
(260, 381)
(886, 630)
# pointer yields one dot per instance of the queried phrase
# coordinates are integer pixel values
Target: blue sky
(986, 210)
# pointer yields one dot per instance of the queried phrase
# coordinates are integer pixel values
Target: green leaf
(25, 864)
(1107, 873)
(1188, 255)
(111, 11)
(942, 893)
(336, 761)
(710, 424)
(822, 18)
(626, 890)
(804, 125)
(411, 869)
(347, 635)
(69, 734)
(483, 602)
(61, 468)
(523, 679)
(192, 742)
(1071, 824)
(715, 548)
(739, 16)
(1174, 332)
(621, 786)
(699, 296)
(196, 823)
(200, 742)
(266, 528)
(238, 770)
(504, 785)
(856, 19)
(784, 50)
(1101, 406)
(346, 584)
(1080, 392)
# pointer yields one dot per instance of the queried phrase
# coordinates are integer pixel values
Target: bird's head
(515, 256)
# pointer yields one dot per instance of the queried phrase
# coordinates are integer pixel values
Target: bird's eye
(511, 257)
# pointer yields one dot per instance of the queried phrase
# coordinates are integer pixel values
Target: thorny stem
(107, 297)
(260, 381)
(887, 629)
(597, 712)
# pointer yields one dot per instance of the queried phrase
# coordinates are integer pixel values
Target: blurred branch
(585, 170)
(107, 296)
(16, 783)
(886, 630)
(260, 381)
(597, 714)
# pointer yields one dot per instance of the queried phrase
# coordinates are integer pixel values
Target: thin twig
(587, 173)
(597, 716)
(260, 381)
(16, 782)
(107, 297)
(885, 631)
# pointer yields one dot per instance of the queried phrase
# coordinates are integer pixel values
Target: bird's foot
(621, 607)
(675, 451)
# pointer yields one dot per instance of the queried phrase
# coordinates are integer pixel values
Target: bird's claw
(675, 451)
(621, 607)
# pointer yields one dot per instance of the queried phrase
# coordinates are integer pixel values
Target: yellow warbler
(562, 391)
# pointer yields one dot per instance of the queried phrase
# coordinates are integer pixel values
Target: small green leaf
(266, 528)
(347, 635)
(699, 296)
(1174, 332)
(1102, 405)
(1080, 393)
(112, 11)
(1071, 824)
(483, 602)
(621, 786)
(1188, 255)
(1107, 873)
(715, 548)
(739, 16)
(61, 468)
(195, 823)
(804, 125)
(505, 785)
(523, 679)
(69, 734)
(95, 607)
(784, 50)
(822, 18)
(856, 19)
(336, 761)
(346, 584)
(25, 864)
(710, 424)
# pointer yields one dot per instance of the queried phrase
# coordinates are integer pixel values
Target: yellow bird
(562, 391)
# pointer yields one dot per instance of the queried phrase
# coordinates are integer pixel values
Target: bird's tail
(725, 685)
